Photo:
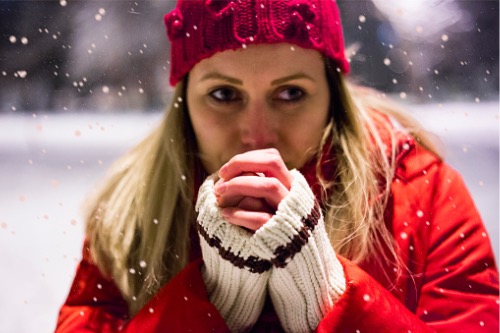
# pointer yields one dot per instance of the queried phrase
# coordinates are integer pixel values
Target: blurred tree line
(113, 55)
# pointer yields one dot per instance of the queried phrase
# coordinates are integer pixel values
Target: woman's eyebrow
(292, 77)
(219, 76)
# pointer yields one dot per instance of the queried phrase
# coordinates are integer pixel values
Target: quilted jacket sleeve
(459, 291)
(454, 282)
(366, 306)
(95, 305)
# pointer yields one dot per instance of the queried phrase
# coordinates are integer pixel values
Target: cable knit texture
(306, 277)
(235, 279)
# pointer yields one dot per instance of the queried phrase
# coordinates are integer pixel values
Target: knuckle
(275, 161)
(272, 185)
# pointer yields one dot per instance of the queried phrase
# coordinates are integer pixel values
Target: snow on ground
(49, 162)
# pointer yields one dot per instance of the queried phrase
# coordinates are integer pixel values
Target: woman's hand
(251, 186)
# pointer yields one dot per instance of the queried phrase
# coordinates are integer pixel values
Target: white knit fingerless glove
(235, 279)
(307, 277)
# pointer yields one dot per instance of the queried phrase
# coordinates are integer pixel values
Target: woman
(274, 197)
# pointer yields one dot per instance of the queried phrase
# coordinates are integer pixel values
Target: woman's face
(264, 96)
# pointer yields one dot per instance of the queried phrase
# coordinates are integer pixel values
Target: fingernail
(219, 189)
(222, 170)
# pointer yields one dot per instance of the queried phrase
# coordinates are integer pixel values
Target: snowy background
(83, 81)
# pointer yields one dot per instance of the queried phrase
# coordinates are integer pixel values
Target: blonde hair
(138, 224)
(365, 155)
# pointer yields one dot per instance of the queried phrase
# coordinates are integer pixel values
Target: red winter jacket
(451, 283)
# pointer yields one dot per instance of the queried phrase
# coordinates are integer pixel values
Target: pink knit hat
(198, 29)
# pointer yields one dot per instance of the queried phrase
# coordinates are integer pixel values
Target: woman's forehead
(277, 58)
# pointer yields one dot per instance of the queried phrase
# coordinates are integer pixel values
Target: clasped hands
(251, 186)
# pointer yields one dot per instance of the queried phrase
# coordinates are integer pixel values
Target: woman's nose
(258, 128)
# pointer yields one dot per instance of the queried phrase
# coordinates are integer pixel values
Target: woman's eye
(291, 94)
(225, 95)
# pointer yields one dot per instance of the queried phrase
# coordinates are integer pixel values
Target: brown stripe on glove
(254, 264)
(282, 253)
(285, 252)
